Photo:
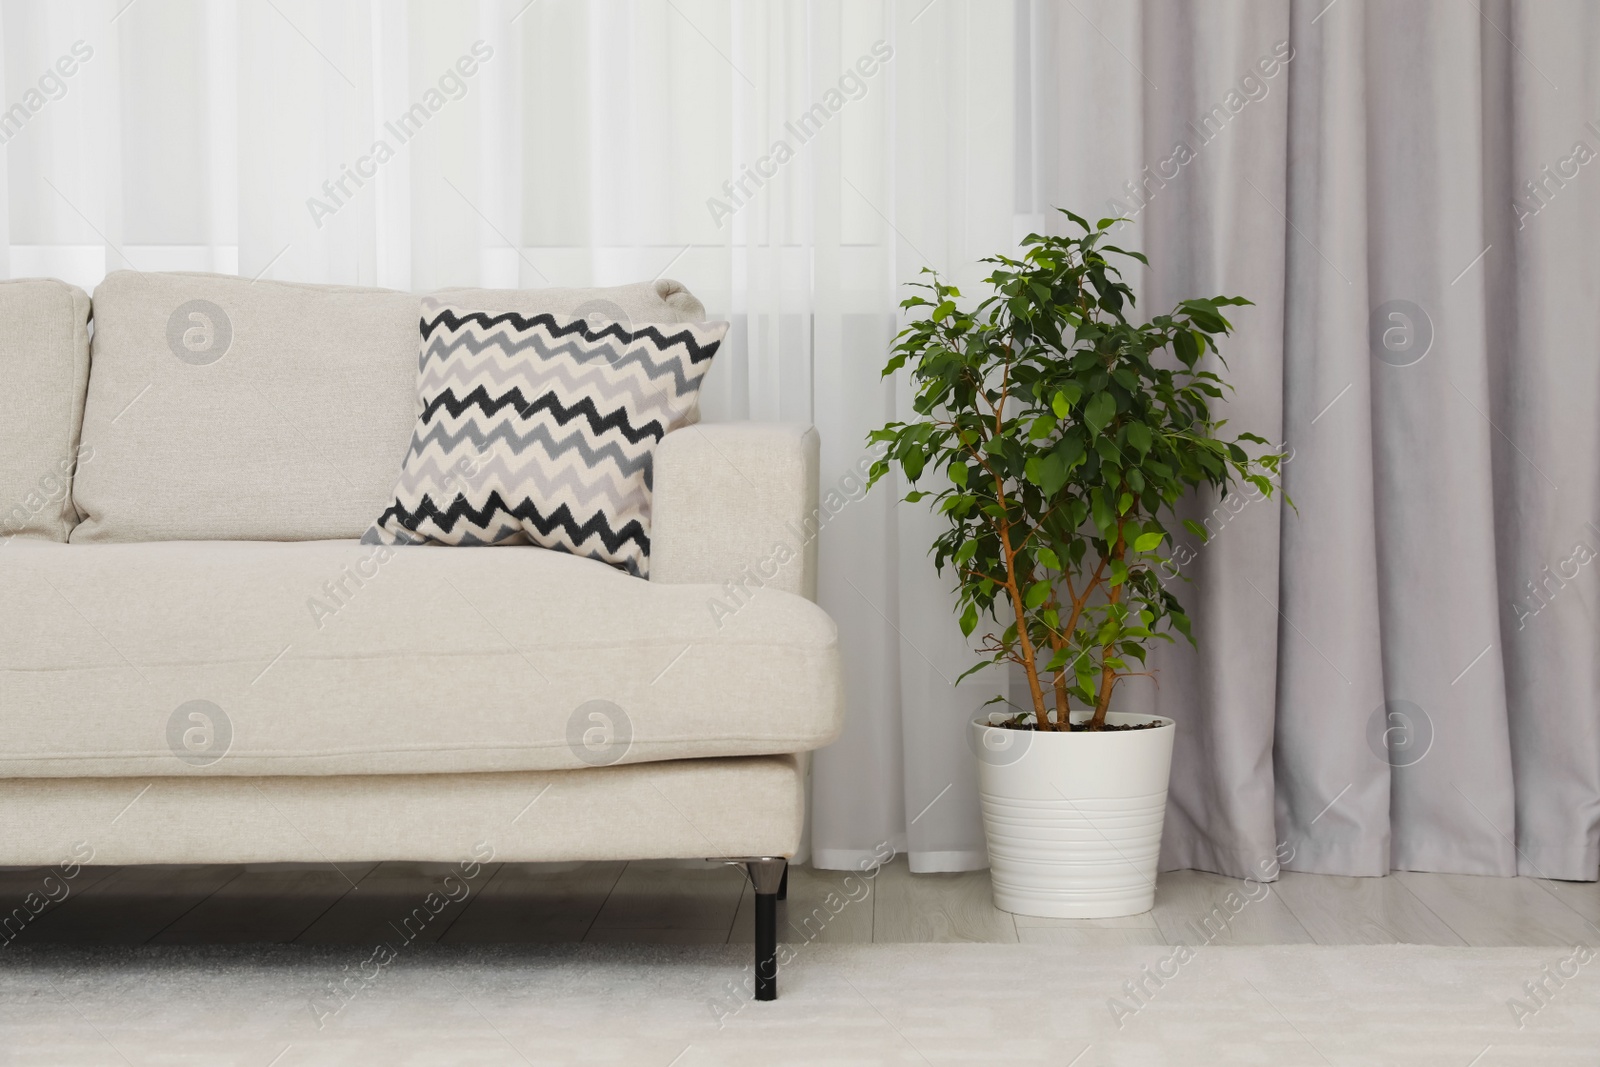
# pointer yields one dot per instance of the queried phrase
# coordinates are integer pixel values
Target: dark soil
(1077, 727)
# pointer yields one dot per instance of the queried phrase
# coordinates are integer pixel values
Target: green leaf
(975, 668)
(1053, 475)
(958, 474)
(1037, 594)
(1181, 621)
(1048, 558)
(1124, 502)
(944, 311)
(1100, 410)
(1070, 451)
(912, 462)
(1146, 542)
(1084, 670)
(969, 620)
(1104, 519)
(1187, 349)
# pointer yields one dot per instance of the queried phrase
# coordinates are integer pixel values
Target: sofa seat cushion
(336, 658)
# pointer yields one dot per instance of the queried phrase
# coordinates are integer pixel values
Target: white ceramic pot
(1074, 819)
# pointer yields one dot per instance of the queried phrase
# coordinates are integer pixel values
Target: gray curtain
(1400, 674)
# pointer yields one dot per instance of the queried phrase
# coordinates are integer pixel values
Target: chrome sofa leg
(769, 877)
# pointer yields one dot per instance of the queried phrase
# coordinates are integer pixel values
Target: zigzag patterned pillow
(543, 430)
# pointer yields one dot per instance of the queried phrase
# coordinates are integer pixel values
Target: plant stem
(1057, 642)
(1029, 664)
(1013, 585)
(1063, 711)
(1108, 673)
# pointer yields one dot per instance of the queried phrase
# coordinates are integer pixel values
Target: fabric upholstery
(735, 505)
(542, 429)
(44, 363)
(681, 809)
(336, 658)
(225, 409)
(222, 408)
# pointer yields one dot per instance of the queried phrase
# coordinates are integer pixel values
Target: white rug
(841, 1004)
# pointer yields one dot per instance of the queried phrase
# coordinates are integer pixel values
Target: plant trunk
(1041, 716)
(1063, 716)
(1108, 681)
(1029, 663)
(1108, 674)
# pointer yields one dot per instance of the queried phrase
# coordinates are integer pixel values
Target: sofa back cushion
(44, 363)
(221, 409)
(225, 409)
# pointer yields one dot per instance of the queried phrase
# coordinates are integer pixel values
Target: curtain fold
(1398, 672)
(1542, 209)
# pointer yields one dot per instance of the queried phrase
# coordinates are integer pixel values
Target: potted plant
(1061, 436)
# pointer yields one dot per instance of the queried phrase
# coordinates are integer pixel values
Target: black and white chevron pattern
(543, 429)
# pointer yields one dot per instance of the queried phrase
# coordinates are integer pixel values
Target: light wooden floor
(668, 903)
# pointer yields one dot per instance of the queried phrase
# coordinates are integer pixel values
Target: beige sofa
(204, 663)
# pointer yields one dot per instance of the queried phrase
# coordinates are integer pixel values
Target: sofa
(204, 663)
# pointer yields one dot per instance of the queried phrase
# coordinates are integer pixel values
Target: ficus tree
(1061, 436)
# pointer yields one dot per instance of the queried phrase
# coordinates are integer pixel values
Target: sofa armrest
(736, 501)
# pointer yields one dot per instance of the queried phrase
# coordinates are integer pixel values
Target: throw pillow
(542, 430)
